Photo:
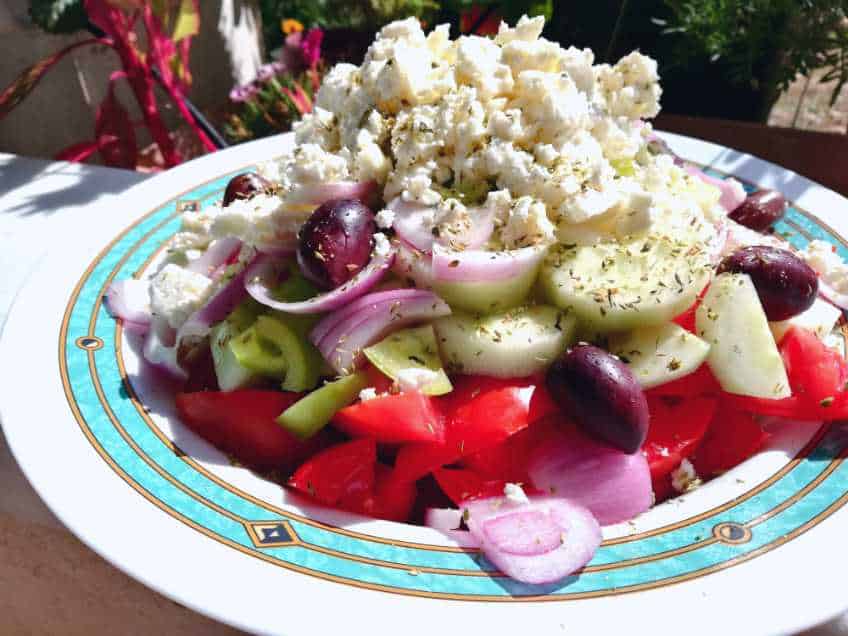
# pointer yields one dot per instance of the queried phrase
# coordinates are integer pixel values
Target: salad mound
(480, 293)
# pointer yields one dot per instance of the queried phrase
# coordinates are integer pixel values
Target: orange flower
(290, 25)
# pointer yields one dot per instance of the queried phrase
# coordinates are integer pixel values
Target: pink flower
(243, 93)
(266, 72)
(310, 47)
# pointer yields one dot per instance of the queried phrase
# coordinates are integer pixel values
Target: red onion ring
(216, 309)
(413, 265)
(159, 352)
(413, 223)
(342, 345)
(263, 270)
(482, 266)
(567, 535)
(217, 254)
(129, 300)
(612, 485)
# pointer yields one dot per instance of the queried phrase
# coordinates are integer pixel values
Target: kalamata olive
(785, 284)
(600, 392)
(246, 186)
(335, 242)
(760, 210)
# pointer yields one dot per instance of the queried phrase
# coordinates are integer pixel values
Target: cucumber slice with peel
(657, 355)
(743, 355)
(411, 349)
(638, 282)
(516, 343)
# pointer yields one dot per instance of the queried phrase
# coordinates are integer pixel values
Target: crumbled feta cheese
(415, 378)
(515, 494)
(368, 393)
(820, 318)
(176, 293)
(527, 224)
(251, 220)
(381, 244)
(684, 478)
(822, 257)
(385, 219)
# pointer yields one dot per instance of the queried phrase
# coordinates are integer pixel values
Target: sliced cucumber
(231, 375)
(743, 355)
(310, 414)
(414, 349)
(517, 343)
(647, 281)
(657, 355)
(486, 298)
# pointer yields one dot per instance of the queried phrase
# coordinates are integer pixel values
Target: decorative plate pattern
(800, 495)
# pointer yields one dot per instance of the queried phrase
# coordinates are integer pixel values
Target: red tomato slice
(508, 460)
(393, 419)
(687, 318)
(461, 485)
(242, 424)
(677, 426)
(479, 413)
(339, 471)
(377, 379)
(816, 372)
(793, 408)
(701, 382)
(732, 437)
(390, 499)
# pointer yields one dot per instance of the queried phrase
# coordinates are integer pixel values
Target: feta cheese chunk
(684, 478)
(415, 379)
(176, 293)
(822, 257)
(515, 494)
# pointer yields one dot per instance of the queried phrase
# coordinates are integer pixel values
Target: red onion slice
(263, 271)
(482, 266)
(218, 254)
(832, 296)
(413, 265)
(159, 353)
(320, 331)
(221, 305)
(317, 193)
(129, 300)
(414, 223)
(537, 542)
(732, 192)
(614, 486)
(343, 344)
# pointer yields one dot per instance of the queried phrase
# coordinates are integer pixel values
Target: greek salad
(480, 294)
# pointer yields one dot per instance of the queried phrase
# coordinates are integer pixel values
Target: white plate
(759, 550)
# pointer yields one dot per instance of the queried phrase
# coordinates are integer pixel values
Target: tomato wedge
(390, 498)
(816, 372)
(393, 419)
(480, 412)
(461, 485)
(677, 427)
(701, 382)
(732, 437)
(338, 472)
(242, 424)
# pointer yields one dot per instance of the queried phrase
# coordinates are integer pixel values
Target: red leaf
(15, 92)
(115, 131)
(78, 152)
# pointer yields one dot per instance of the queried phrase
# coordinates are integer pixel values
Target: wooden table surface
(50, 583)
